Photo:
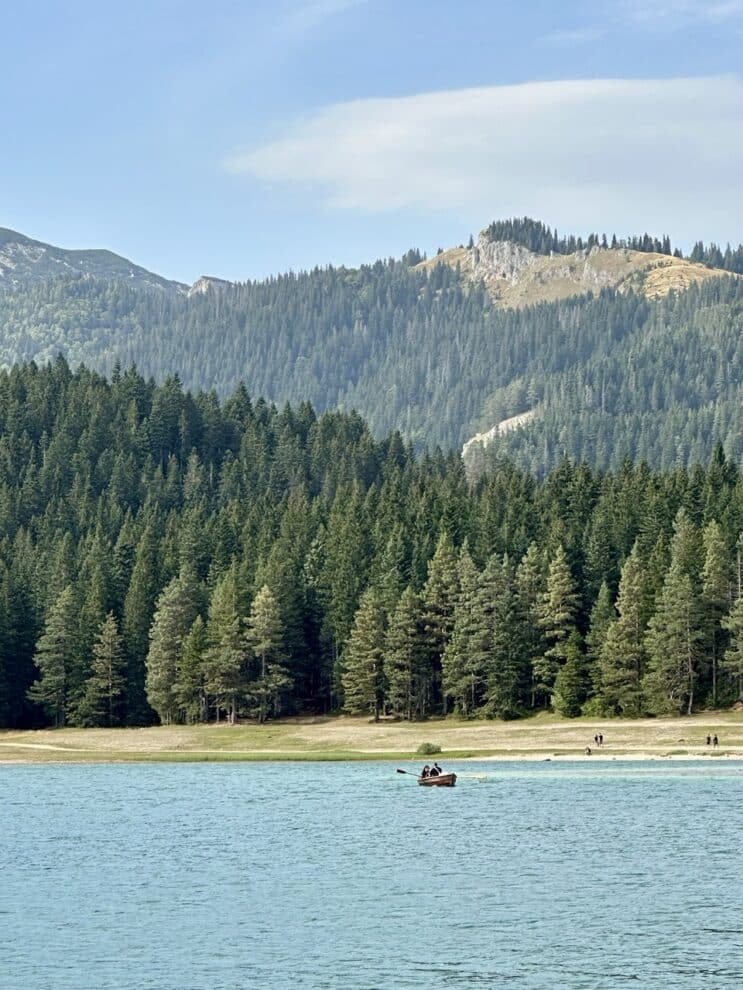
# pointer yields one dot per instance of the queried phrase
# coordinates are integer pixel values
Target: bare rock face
(205, 284)
(501, 259)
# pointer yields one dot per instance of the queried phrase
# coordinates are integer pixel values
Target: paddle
(410, 772)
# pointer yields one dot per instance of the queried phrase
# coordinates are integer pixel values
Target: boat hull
(443, 780)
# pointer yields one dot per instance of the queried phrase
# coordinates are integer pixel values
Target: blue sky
(244, 138)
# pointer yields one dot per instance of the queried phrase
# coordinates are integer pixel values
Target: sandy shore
(539, 738)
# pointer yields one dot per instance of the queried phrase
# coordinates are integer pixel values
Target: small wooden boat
(442, 780)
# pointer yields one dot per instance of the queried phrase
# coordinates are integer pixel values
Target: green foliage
(251, 561)
(428, 749)
(414, 350)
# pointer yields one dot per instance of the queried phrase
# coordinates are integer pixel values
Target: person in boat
(425, 771)
(435, 770)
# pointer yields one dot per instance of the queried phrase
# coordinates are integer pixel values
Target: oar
(410, 772)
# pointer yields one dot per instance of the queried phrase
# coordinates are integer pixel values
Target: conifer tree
(463, 661)
(190, 685)
(54, 654)
(732, 661)
(508, 670)
(265, 636)
(139, 608)
(176, 611)
(557, 610)
(673, 646)
(363, 675)
(440, 596)
(404, 660)
(623, 654)
(572, 680)
(228, 652)
(715, 597)
(530, 583)
(602, 615)
(102, 702)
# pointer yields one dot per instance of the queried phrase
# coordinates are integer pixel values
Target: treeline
(167, 556)
(541, 239)
(611, 376)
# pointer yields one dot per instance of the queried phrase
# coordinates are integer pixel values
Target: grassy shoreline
(345, 738)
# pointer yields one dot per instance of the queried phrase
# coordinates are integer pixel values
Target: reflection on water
(549, 875)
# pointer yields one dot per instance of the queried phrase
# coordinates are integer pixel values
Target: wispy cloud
(305, 16)
(615, 153)
(574, 36)
(665, 14)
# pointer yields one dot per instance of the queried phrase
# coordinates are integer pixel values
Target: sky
(241, 139)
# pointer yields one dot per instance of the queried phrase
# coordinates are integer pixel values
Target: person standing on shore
(715, 742)
(601, 738)
(709, 740)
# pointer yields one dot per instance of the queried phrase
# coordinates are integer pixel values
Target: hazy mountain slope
(24, 261)
(424, 350)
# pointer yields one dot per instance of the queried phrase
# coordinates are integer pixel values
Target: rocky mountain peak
(206, 283)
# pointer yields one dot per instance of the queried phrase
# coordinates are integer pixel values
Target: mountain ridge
(24, 261)
(611, 372)
(517, 276)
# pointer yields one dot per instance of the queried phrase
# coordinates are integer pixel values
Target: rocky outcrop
(516, 276)
(499, 430)
(206, 283)
(500, 260)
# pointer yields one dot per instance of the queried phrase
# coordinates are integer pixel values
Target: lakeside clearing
(351, 738)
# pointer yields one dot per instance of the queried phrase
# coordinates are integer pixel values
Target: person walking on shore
(715, 742)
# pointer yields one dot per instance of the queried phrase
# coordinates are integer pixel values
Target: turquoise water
(183, 877)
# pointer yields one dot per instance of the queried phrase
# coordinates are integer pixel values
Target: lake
(337, 875)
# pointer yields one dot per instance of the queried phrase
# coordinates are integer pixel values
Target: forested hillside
(424, 350)
(165, 555)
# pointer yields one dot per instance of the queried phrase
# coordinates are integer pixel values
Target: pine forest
(171, 556)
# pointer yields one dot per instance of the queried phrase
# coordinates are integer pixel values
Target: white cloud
(614, 154)
(664, 14)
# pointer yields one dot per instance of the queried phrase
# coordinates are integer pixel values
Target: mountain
(607, 349)
(24, 262)
(518, 277)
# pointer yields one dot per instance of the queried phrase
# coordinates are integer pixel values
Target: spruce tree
(190, 684)
(464, 662)
(405, 660)
(508, 671)
(265, 637)
(176, 611)
(139, 608)
(558, 607)
(716, 589)
(105, 689)
(440, 596)
(623, 654)
(228, 651)
(673, 645)
(572, 681)
(54, 655)
(732, 661)
(529, 585)
(363, 676)
(602, 615)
